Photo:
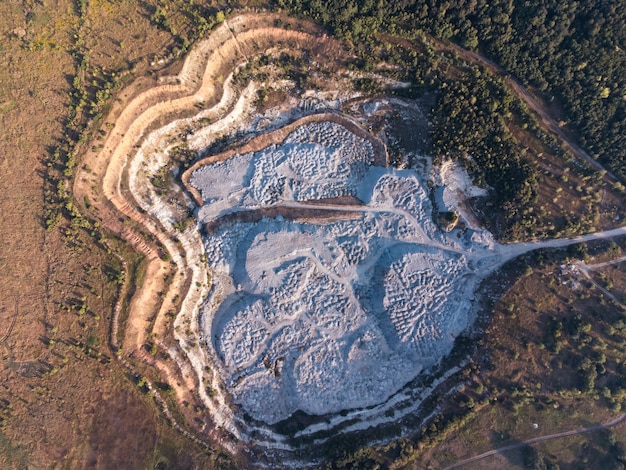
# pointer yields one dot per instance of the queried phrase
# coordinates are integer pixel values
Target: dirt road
(585, 270)
(526, 96)
(574, 432)
(517, 249)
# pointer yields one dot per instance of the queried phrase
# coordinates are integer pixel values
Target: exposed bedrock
(323, 317)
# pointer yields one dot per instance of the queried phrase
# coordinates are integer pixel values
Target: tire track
(13, 322)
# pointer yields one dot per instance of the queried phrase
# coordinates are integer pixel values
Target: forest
(571, 53)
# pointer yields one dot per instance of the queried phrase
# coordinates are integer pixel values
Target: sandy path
(515, 250)
(593, 267)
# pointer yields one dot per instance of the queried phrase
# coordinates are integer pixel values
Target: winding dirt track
(621, 418)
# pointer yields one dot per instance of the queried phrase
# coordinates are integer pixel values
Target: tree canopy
(572, 52)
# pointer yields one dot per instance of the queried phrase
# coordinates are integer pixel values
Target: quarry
(322, 315)
(318, 235)
(309, 267)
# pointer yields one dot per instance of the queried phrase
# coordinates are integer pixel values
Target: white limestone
(323, 317)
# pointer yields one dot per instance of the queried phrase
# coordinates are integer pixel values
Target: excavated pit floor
(325, 315)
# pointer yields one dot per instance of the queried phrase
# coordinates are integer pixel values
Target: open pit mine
(292, 270)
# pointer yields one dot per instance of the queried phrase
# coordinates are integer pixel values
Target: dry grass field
(64, 401)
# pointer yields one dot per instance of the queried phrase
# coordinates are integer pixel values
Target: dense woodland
(571, 52)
